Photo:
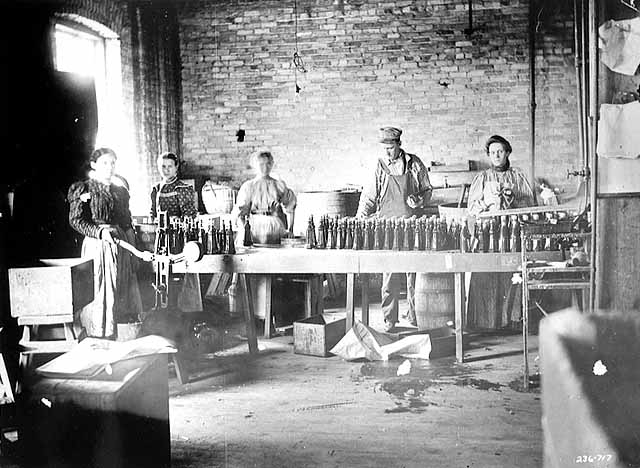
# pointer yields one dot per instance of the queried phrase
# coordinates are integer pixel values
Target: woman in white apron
(494, 302)
(269, 205)
(267, 202)
(99, 210)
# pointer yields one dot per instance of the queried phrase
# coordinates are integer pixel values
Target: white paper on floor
(363, 342)
(404, 368)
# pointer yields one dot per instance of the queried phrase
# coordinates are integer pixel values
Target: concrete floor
(280, 409)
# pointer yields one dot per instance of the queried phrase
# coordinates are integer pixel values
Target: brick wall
(369, 64)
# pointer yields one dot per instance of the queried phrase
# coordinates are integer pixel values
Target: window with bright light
(79, 52)
(88, 48)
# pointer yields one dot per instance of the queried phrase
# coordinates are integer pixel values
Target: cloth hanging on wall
(618, 135)
(156, 81)
(620, 45)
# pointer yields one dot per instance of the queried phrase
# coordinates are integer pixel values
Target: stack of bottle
(500, 233)
(180, 230)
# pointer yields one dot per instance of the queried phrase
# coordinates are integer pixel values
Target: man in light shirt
(399, 188)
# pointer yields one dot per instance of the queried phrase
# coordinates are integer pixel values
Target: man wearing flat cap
(399, 188)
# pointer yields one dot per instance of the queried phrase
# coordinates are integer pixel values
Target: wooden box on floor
(315, 336)
(443, 341)
(116, 421)
(53, 288)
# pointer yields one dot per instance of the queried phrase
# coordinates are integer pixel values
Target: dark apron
(394, 201)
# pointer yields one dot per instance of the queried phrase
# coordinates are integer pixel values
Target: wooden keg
(218, 198)
(435, 299)
(324, 202)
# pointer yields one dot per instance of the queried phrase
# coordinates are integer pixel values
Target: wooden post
(248, 314)
(351, 311)
(364, 279)
(525, 309)
(460, 305)
(268, 313)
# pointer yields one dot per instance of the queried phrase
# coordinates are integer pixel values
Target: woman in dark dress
(172, 195)
(99, 210)
(177, 198)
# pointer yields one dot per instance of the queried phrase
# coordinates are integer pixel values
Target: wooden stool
(30, 345)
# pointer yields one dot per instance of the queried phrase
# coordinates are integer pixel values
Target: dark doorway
(64, 135)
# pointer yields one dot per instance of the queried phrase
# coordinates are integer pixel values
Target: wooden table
(255, 260)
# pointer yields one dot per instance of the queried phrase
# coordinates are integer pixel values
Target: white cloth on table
(619, 131)
(620, 45)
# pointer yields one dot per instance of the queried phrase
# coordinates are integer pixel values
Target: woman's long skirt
(115, 286)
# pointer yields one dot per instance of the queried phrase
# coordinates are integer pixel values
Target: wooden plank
(454, 167)
(291, 261)
(46, 347)
(568, 207)
(316, 292)
(248, 314)
(351, 311)
(275, 260)
(460, 304)
(268, 312)
(534, 284)
(617, 254)
(308, 298)
(44, 319)
(446, 179)
(181, 370)
(364, 279)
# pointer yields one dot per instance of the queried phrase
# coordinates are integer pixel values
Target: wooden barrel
(218, 198)
(328, 202)
(435, 299)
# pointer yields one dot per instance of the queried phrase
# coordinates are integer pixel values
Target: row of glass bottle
(180, 230)
(496, 234)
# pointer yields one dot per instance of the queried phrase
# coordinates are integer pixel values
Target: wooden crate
(53, 288)
(314, 336)
(443, 340)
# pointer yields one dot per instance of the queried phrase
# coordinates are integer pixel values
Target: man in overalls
(400, 188)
